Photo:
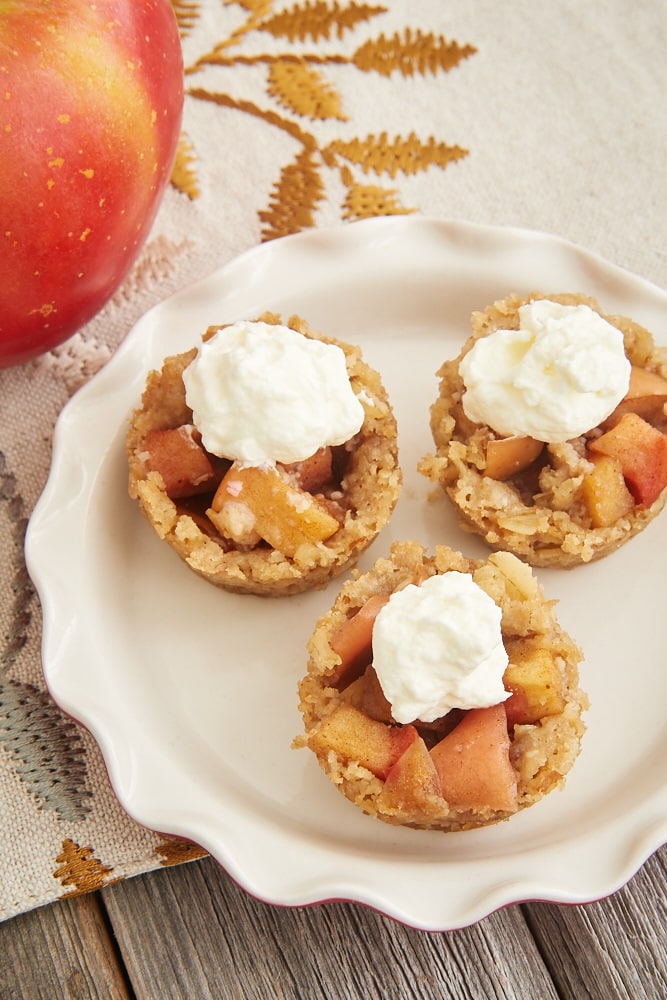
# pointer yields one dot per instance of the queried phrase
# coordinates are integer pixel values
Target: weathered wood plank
(190, 931)
(62, 950)
(616, 947)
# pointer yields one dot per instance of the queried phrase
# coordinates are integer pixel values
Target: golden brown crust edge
(372, 486)
(540, 535)
(541, 754)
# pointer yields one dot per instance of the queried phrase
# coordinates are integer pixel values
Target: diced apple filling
(634, 471)
(315, 472)
(356, 738)
(413, 781)
(178, 455)
(641, 451)
(464, 757)
(353, 641)
(604, 492)
(507, 456)
(282, 514)
(280, 505)
(535, 678)
(473, 762)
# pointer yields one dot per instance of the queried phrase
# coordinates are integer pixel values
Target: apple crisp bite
(470, 767)
(567, 502)
(270, 528)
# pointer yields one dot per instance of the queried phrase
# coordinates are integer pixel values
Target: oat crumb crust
(370, 487)
(541, 754)
(551, 527)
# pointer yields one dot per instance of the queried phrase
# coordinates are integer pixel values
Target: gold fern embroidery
(415, 52)
(187, 14)
(294, 199)
(407, 156)
(296, 83)
(183, 175)
(175, 851)
(80, 869)
(252, 6)
(318, 20)
(303, 90)
(364, 201)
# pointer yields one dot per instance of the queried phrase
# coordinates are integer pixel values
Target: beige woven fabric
(545, 114)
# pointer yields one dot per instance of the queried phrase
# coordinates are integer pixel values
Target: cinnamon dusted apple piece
(366, 694)
(470, 767)
(177, 454)
(473, 764)
(314, 474)
(536, 676)
(646, 396)
(354, 737)
(352, 641)
(604, 492)
(252, 501)
(412, 784)
(505, 457)
(641, 451)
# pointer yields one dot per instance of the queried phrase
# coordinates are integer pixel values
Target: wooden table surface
(190, 932)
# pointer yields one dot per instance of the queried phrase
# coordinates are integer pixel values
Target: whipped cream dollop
(560, 374)
(439, 646)
(263, 393)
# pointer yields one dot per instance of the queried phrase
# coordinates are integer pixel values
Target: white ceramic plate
(191, 692)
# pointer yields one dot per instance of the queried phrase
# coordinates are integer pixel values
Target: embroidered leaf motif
(294, 199)
(363, 201)
(318, 19)
(415, 52)
(301, 89)
(183, 176)
(252, 5)
(187, 14)
(46, 749)
(79, 868)
(295, 84)
(407, 156)
(175, 851)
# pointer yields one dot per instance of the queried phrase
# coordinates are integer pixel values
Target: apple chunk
(353, 641)
(366, 694)
(314, 473)
(646, 396)
(354, 737)
(264, 502)
(178, 455)
(413, 780)
(507, 456)
(535, 678)
(604, 492)
(641, 450)
(473, 762)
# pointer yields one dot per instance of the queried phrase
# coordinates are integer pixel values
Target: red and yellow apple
(91, 99)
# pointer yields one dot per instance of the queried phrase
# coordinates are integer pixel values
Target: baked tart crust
(538, 754)
(367, 492)
(540, 514)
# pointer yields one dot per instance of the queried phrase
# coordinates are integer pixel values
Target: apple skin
(91, 102)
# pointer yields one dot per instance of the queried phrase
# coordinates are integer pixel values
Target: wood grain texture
(616, 947)
(190, 931)
(64, 950)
